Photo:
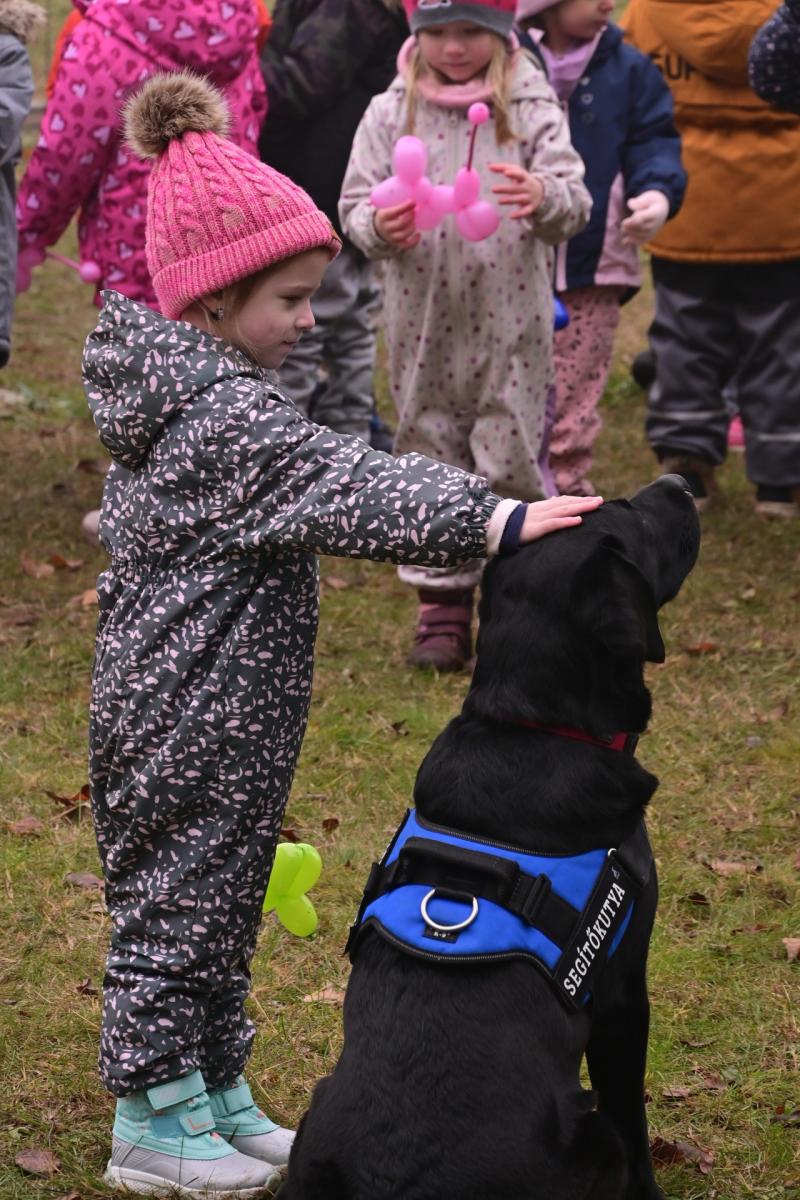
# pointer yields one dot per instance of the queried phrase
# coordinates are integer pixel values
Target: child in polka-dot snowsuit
(468, 325)
(220, 497)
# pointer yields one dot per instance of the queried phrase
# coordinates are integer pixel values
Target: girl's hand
(559, 512)
(649, 211)
(396, 225)
(521, 188)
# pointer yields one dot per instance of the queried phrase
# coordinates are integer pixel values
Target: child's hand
(396, 225)
(545, 516)
(649, 211)
(521, 188)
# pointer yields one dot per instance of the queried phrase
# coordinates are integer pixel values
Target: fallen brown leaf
(36, 570)
(72, 806)
(65, 564)
(697, 1045)
(709, 1082)
(37, 1161)
(289, 835)
(682, 1152)
(326, 995)
(676, 1093)
(702, 648)
(26, 827)
(86, 599)
(726, 868)
(782, 1117)
(83, 879)
(21, 614)
(86, 987)
(335, 582)
(792, 948)
(330, 823)
(92, 466)
(698, 898)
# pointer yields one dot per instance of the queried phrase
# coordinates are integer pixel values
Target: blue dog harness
(451, 897)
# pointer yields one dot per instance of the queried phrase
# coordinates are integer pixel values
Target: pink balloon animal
(475, 219)
(29, 258)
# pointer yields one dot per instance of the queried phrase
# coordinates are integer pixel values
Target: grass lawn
(725, 741)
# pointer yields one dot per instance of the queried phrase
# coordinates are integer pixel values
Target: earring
(216, 314)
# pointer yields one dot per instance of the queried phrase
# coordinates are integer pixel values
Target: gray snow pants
(714, 321)
(343, 344)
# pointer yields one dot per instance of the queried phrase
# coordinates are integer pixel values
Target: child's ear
(617, 605)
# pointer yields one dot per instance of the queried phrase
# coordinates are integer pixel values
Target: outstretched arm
(292, 483)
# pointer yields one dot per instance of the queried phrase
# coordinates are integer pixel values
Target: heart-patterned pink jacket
(81, 165)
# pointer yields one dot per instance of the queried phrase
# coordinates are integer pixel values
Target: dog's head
(567, 623)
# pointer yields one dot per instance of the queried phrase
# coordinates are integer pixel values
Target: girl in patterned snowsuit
(219, 499)
(468, 325)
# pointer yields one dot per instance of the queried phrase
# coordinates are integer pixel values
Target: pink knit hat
(494, 15)
(215, 214)
(531, 8)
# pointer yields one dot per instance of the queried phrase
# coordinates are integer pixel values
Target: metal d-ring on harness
(452, 897)
(428, 919)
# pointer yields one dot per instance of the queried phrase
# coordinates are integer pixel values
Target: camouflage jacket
(323, 62)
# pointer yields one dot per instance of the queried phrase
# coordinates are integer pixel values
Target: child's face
(458, 50)
(278, 310)
(580, 19)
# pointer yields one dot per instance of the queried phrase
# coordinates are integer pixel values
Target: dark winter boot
(443, 638)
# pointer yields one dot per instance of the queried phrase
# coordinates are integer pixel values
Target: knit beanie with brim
(215, 214)
(495, 15)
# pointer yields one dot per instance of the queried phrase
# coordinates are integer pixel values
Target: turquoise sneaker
(246, 1127)
(165, 1144)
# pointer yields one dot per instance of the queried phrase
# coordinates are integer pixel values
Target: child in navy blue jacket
(620, 115)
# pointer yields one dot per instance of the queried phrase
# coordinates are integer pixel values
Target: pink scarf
(564, 70)
(453, 95)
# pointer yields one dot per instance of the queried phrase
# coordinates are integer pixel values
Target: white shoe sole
(142, 1184)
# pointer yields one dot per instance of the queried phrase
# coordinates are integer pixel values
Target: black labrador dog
(461, 1080)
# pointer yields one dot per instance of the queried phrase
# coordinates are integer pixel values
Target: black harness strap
(453, 869)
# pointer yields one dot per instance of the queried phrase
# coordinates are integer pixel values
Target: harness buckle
(537, 892)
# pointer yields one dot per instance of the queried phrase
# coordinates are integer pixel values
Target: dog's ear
(617, 604)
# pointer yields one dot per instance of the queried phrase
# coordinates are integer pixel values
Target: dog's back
(395, 1119)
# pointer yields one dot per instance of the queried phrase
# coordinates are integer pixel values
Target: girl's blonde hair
(498, 76)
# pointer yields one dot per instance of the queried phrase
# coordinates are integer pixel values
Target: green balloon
(296, 868)
(298, 916)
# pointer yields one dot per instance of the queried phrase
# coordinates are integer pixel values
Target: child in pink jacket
(80, 164)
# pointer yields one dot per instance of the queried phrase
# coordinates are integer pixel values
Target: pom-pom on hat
(215, 214)
(495, 15)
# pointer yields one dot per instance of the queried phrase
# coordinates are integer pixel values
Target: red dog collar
(617, 741)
